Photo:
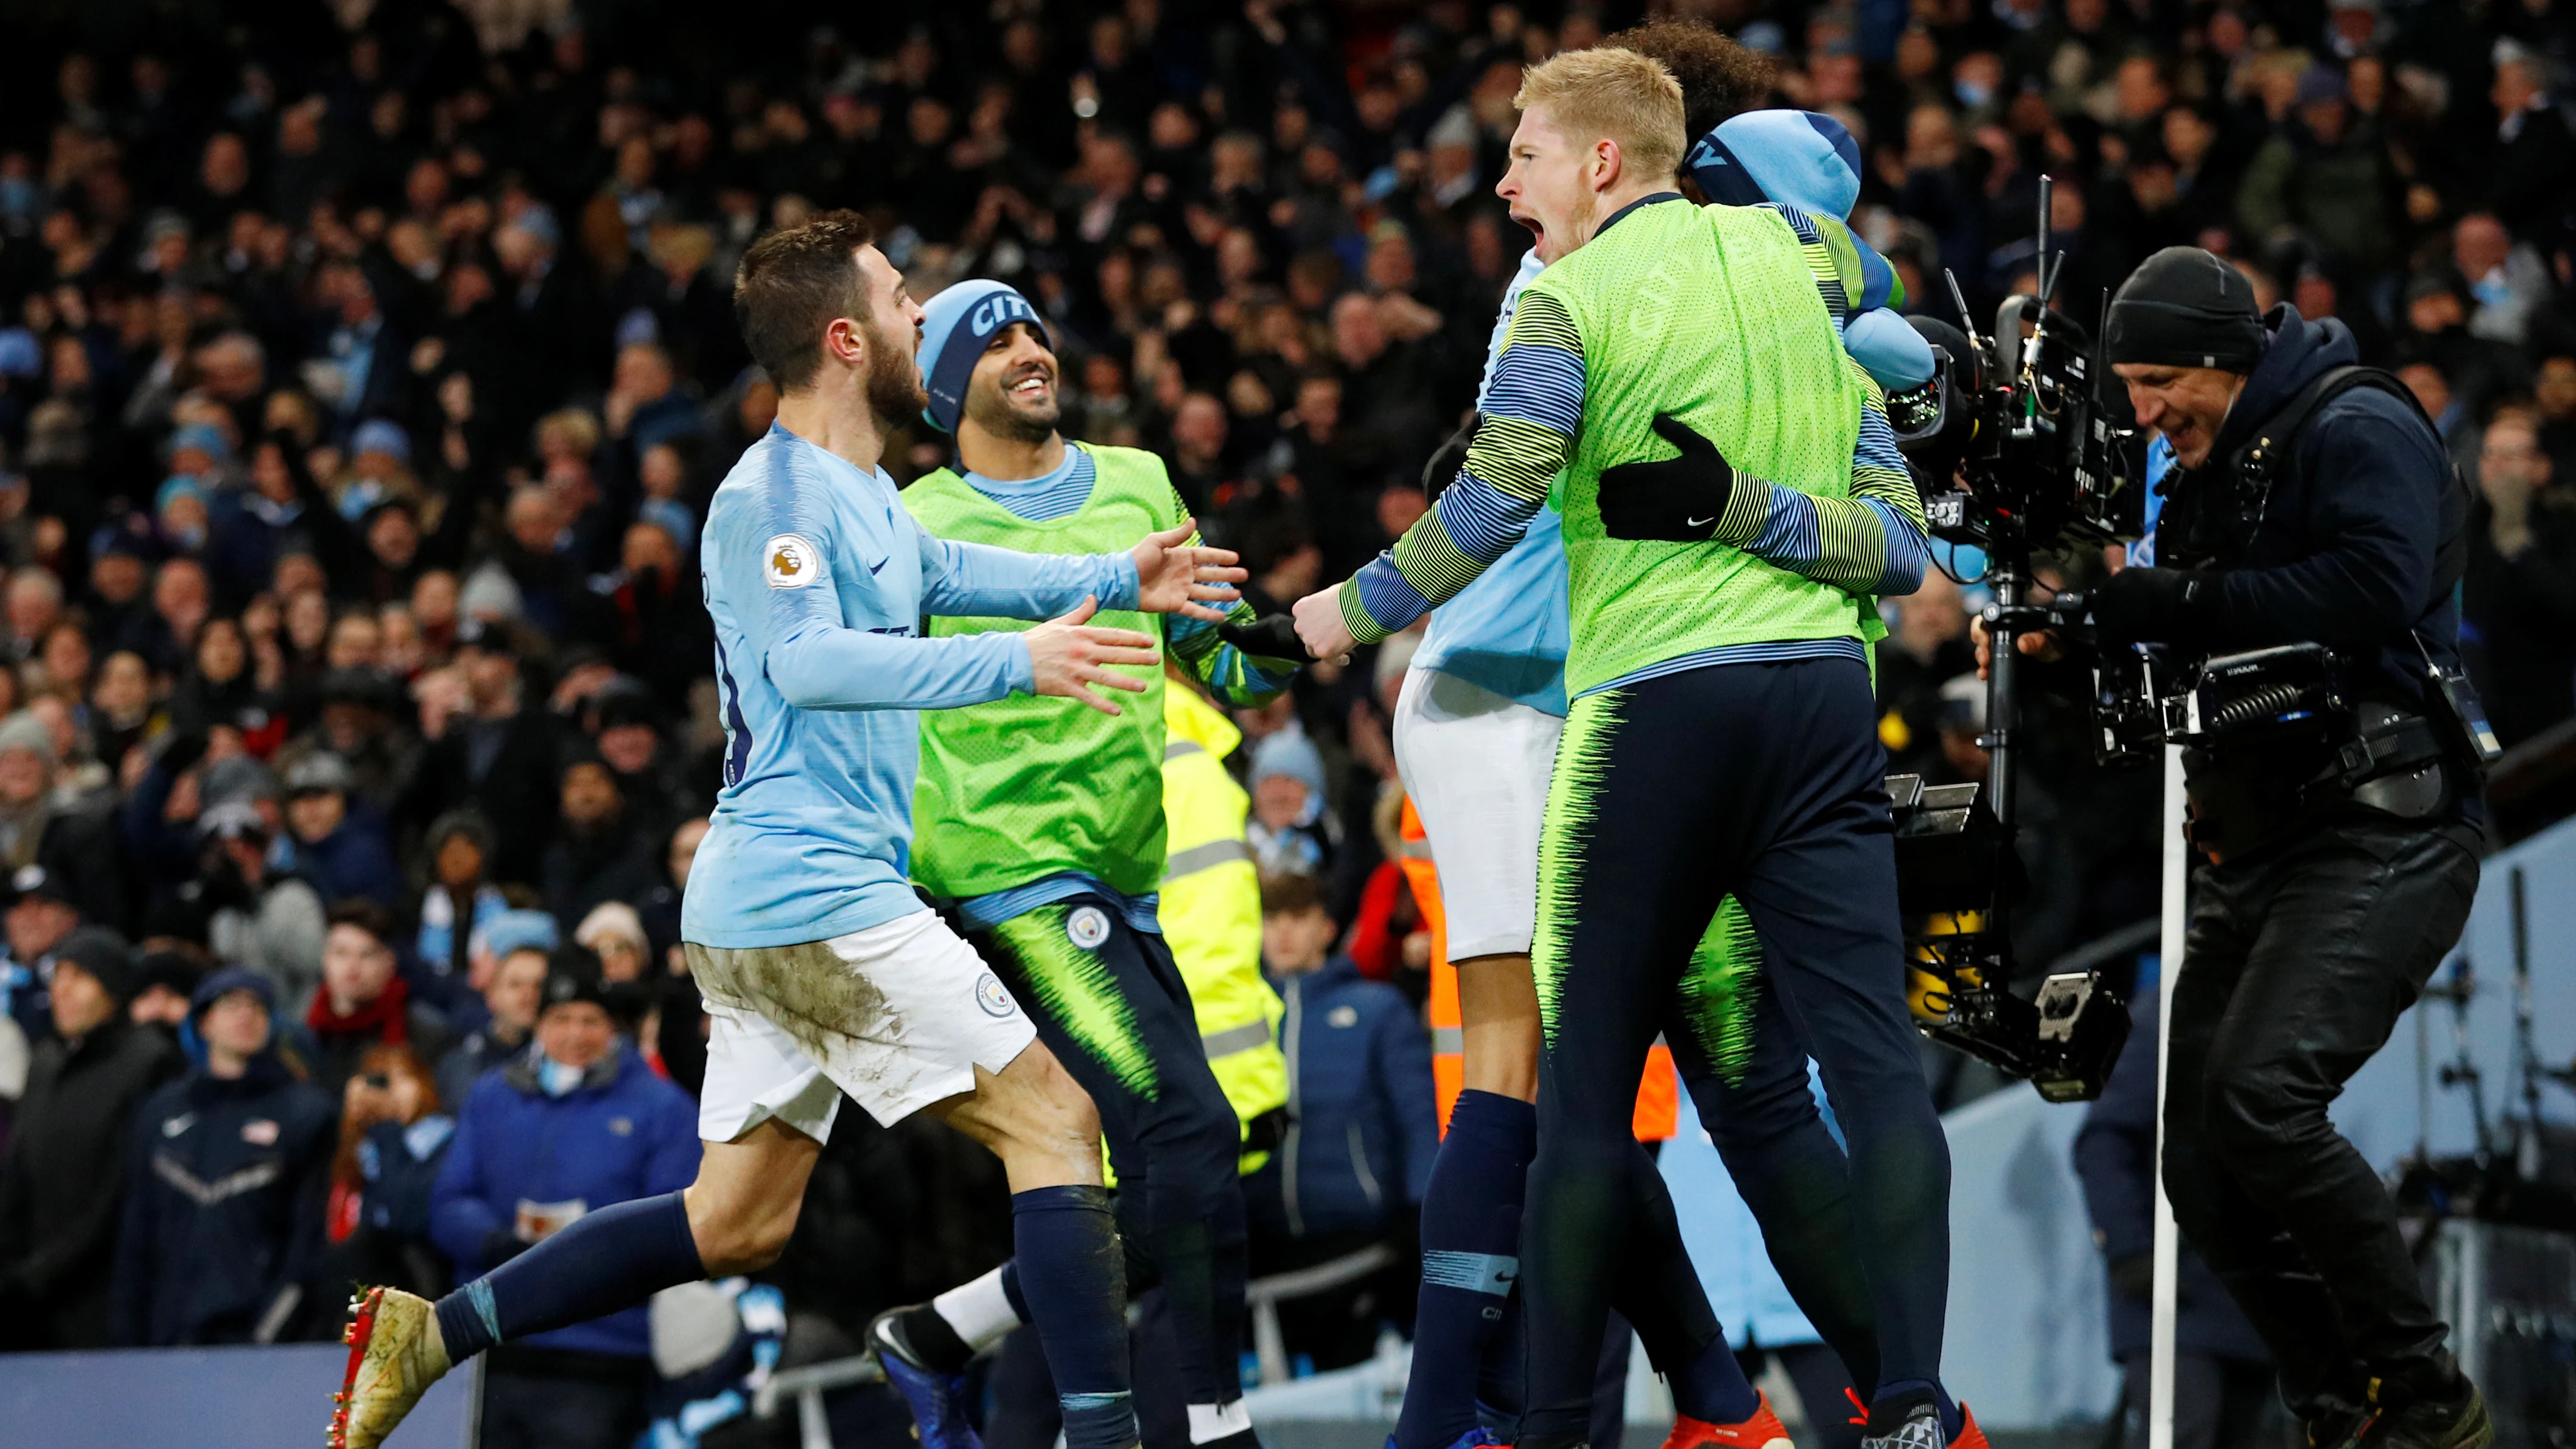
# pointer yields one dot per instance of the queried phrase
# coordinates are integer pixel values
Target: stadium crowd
(365, 369)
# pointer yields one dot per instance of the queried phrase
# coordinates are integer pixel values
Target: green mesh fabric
(1076, 991)
(1017, 789)
(1711, 314)
(1717, 990)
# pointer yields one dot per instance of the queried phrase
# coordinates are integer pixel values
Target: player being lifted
(1729, 488)
(823, 973)
(1044, 823)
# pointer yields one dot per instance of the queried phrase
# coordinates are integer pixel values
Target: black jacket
(516, 792)
(224, 1205)
(2345, 552)
(59, 1191)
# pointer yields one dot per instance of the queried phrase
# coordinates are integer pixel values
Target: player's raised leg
(735, 1218)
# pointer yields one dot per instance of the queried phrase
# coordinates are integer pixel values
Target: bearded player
(823, 973)
(1043, 822)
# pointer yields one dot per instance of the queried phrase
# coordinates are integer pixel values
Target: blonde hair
(1606, 91)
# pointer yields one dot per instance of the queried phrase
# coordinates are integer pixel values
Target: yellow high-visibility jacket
(1211, 910)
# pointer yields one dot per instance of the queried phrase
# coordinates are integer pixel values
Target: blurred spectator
(341, 849)
(165, 993)
(1927, 648)
(498, 756)
(511, 998)
(75, 848)
(394, 1131)
(597, 855)
(577, 1125)
(458, 847)
(2520, 591)
(257, 916)
(364, 1002)
(231, 1165)
(1290, 832)
(62, 1188)
(40, 918)
(1354, 1165)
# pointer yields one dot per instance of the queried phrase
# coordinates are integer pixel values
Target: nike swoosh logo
(1700, 522)
(879, 564)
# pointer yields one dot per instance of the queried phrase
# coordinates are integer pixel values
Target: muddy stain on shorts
(806, 991)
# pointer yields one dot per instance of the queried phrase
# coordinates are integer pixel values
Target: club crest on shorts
(789, 562)
(1087, 927)
(990, 995)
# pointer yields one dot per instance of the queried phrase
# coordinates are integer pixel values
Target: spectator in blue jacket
(577, 1125)
(1352, 1169)
(2222, 1372)
(340, 844)
(228, 1169)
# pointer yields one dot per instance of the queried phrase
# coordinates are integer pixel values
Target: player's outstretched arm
(1177, 574)
(1068, 655)
(1532, 412)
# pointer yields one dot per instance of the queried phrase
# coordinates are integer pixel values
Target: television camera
(2017, 454)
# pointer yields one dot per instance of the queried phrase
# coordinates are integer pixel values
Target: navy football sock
(1713, 1389)
(1011, 1289)
(1471, 1229)
(1074, 1281)
(614, 1258)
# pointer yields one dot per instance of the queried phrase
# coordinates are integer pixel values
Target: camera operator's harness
(2383, 757)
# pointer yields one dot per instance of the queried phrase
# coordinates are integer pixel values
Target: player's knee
(746, 1240)
(740, 1231)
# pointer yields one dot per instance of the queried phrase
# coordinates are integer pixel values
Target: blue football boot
(938, 1399)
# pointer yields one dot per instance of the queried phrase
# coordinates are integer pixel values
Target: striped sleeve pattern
(1870, 543)
(1836, 267)
(1533, 411)
(1234, 675)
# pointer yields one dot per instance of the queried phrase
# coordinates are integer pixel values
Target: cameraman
(2334, 882)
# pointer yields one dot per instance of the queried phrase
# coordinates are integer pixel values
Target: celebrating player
(1475, 736)
(822, 972)
(1719, 734)
(1044, 823)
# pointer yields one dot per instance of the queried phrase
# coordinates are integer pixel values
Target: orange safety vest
(1657, 1091)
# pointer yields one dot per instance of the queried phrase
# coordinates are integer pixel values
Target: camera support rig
(2040, 464)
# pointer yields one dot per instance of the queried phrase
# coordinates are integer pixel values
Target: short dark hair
(1720, 79)
(791, 285)
(367, 916)
(1290, 895)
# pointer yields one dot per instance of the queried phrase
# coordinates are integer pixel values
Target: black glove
(1272, 636)
(1449, 457)
(2153, 606)
(1674, 500)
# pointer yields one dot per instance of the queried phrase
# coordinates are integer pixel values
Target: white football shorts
(1476, 765)
(898, 1016)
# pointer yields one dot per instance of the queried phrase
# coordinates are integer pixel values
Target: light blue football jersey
(1508, 631)
(818, 580)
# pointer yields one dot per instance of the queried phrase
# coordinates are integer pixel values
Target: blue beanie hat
(519, 930)
(229, 980)
(955, 326)
(1804, 158)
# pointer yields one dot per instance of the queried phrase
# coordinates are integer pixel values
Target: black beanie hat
(105, 955)
(2184, 307)
(572, 974)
